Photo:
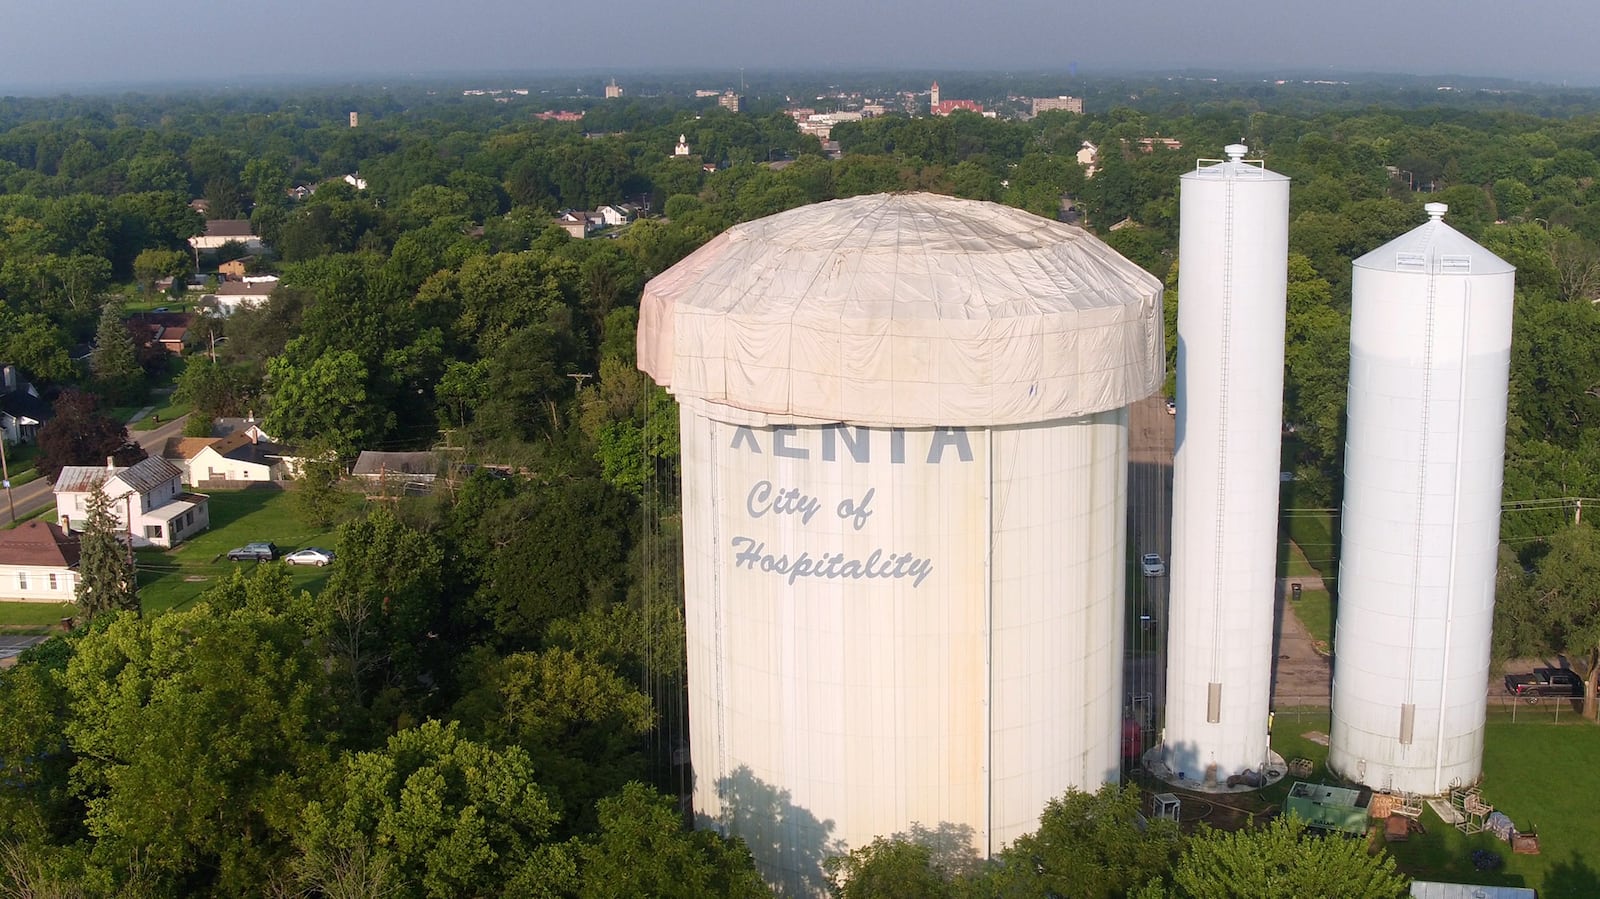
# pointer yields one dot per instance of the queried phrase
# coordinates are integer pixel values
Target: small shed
(1428, 889)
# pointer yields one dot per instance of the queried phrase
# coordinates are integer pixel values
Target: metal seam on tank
(1455, 526)
(1430, 321)
(988, 647)
(716, 613)
(1218, 532)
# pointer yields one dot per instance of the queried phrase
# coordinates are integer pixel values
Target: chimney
(111, 463)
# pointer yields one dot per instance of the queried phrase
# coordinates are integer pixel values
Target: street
(1300, 675)
(35, 495)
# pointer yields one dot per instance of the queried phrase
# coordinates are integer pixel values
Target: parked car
(1544, 682)
(1152, 565)
(311, 555)
(259, 552)
(1172, 408)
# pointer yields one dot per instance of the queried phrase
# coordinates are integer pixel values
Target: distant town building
(1068, 104)
(682, 149)
(560, 115)
(355, 119)
(702, 94)
(731, 101)
(945, 107)
(613, 90)
(938, 106)
(356, 181)
(1148, 144)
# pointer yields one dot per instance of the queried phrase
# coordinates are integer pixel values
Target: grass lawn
(1542, 775)
(175, 578)
(1315, 611)
(33, 614)
(166, 410)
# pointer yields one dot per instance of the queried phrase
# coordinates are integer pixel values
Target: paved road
(35, 495)
(1150, 438)
(1301, 676)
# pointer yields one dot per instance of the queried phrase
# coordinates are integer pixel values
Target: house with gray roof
(147, 500)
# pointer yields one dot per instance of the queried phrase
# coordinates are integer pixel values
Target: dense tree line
(486, 696)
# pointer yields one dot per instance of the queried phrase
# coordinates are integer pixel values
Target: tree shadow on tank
(789, 843)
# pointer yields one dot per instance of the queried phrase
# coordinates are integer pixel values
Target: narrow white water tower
(1430, 357)
(905, 460)
(1233, 257)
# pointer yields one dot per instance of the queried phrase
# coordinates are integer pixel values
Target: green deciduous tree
(436, 815)
(107, 580)
(196, 734)
(1564, 590)
(1284, 860)
(642, 849)
(325, 398)
(1087, 845)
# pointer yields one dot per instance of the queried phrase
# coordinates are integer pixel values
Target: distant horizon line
(380, 80)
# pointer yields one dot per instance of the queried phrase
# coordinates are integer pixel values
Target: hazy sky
(48, 44)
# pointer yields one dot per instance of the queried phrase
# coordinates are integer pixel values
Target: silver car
(311, 555)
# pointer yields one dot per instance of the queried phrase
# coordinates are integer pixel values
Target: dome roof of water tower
(905, 310)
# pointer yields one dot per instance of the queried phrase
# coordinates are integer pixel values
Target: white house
(38, 563)
(221, 231)
(241, 456)
(147, 500)
(231, 296)
(617, 214)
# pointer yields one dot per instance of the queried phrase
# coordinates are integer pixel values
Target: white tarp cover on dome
(905, 310)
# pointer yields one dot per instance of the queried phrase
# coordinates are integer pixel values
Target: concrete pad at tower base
(1195, 781)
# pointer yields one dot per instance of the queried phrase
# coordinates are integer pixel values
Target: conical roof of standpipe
(1234, 167)
(905, 310)
(1434, 246)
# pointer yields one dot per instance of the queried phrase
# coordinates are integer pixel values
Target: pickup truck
(1544, 682)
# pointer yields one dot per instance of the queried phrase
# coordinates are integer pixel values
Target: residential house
(238, 459)
(38, 563)
(250, 427)
(147, 500)
(235, 269)
(231, 296)
(22, 411)
(410, 472)
(579, 224)
(165, 329)
(618, 214)
(221, 231)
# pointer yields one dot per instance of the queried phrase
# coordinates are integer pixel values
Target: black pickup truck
(1544, 682)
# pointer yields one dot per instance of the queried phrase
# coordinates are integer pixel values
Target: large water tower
(904, 436)
(1233, 255)
(1430, 358)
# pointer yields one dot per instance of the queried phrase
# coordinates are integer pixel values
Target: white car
(1152, 565)
(1172, 408)
(311, 555)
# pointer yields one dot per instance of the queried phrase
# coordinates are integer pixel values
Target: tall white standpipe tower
(1233, 255)
(1430, 358)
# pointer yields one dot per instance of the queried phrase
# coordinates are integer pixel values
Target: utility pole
(1577, 510)
(5, 472)
(580, 377)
